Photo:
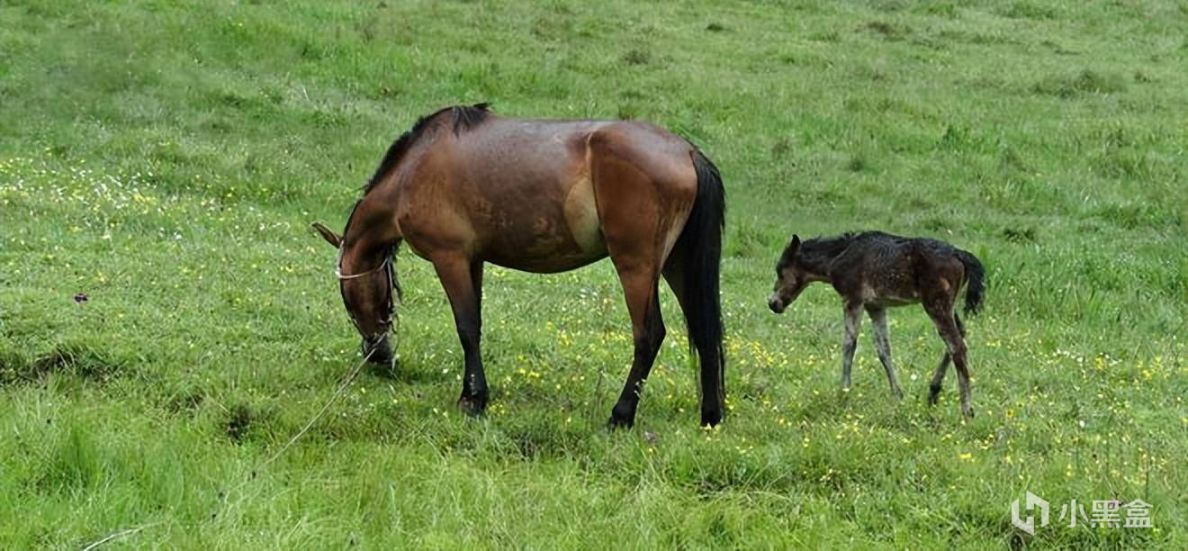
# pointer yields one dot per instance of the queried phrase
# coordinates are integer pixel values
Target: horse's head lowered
(368, 294)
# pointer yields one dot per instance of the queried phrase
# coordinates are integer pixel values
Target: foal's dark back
(892, 268)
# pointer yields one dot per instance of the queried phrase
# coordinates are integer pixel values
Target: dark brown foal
(875, 271)
(465, 187)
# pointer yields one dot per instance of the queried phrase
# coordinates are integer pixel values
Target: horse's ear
(330, 237)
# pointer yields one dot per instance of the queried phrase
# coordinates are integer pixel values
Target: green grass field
(165, 158)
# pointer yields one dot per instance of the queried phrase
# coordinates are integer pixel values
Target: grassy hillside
(165, 159)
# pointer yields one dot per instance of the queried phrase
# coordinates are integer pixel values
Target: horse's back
(521, 193)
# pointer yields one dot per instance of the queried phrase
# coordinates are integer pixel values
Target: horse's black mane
(464, 118)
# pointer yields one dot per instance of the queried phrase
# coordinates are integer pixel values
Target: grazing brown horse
(874, 271)
(465, 187)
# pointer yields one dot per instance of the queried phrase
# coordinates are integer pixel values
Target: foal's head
(791, 277)
(369, 298)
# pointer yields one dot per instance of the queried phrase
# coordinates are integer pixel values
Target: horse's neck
(367, 239)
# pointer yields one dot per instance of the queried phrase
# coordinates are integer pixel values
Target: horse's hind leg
(878, 316)
(639, 194)
(462, 280)
(647, 327)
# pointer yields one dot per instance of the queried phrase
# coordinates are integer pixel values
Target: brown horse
(464, 187)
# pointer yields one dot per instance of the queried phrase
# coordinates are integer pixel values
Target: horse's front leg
(462, 280)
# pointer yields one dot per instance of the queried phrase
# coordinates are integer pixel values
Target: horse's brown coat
(539, 196)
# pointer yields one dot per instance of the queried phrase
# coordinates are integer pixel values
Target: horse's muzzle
(778, 306)
(378, 351)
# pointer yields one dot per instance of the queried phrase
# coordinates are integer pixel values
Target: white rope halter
(386, 324)
(384, 264)
(338, 269)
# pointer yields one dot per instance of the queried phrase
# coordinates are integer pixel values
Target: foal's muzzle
(778, 306)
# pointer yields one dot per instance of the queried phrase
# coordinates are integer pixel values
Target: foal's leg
(878, 316)
(950, 332)
(462, 280)
(647, 327)
(853, 311)
(938, 378)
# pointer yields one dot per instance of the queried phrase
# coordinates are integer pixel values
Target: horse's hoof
(473, 406)
(622, 416)
(968, 412)
(615, 424)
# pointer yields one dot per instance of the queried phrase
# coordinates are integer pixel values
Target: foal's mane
(464, 117)
(825, 248)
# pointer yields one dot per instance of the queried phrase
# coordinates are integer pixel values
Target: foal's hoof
(968, 412)
(933, 396)
(473, 406)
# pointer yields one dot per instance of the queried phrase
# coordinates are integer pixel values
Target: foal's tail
(701, 244)
(975, 274)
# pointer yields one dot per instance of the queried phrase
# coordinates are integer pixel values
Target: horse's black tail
(975, 274)
(700, 245)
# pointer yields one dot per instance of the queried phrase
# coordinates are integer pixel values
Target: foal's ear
(793, 246)
(790, 251)
(330, 237)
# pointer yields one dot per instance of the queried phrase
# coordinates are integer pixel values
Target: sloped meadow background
(168, 321)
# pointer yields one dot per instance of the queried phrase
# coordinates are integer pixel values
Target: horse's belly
(549, 246)
(547, 264)
(560, 235)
